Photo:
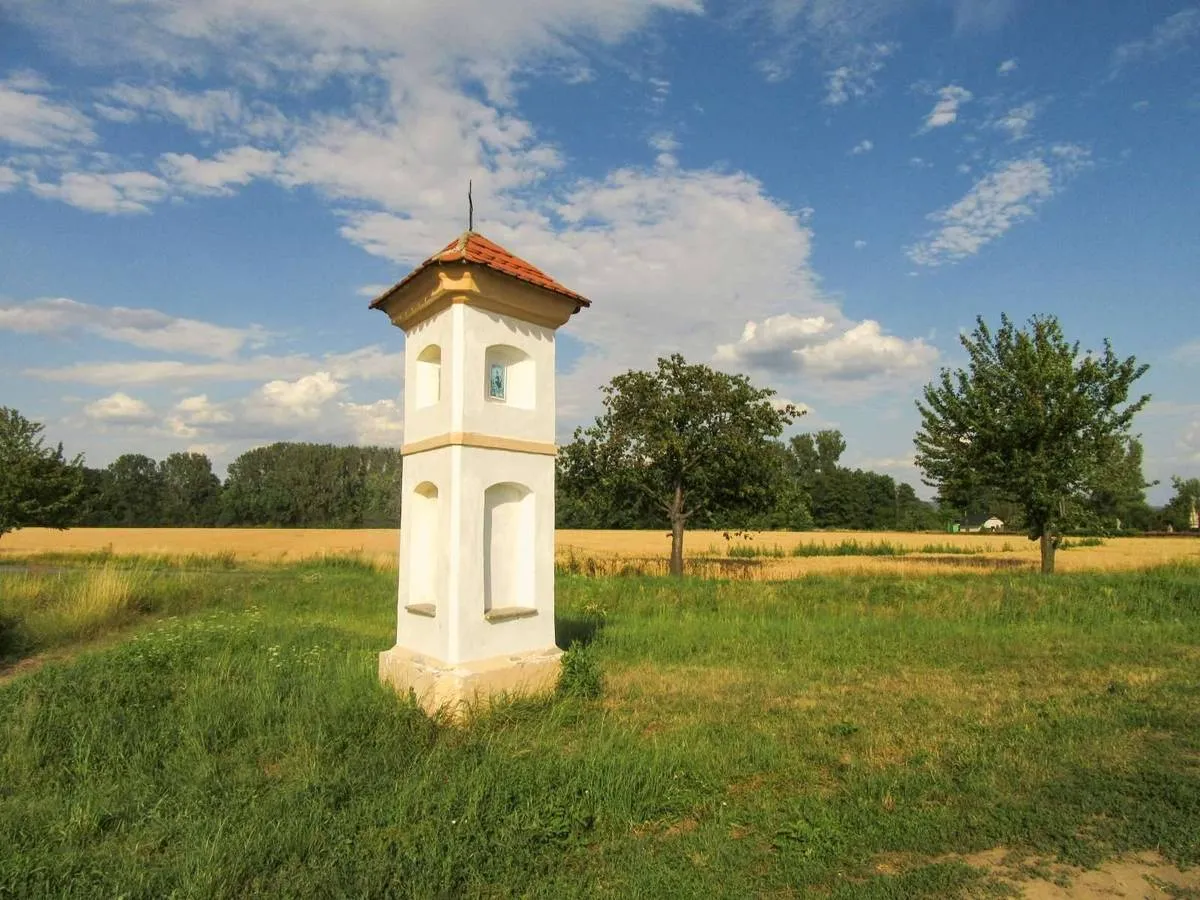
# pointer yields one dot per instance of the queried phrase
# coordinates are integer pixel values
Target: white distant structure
(1193, 517)
(476, 594)
(983, 523)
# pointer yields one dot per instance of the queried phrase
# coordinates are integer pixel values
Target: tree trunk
(1049, 545)
(677, 522)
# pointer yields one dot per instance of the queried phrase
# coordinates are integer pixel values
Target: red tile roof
(472, 247)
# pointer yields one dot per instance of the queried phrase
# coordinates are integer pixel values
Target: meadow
(213, 727)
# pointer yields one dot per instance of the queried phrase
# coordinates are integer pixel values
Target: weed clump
(581, 675)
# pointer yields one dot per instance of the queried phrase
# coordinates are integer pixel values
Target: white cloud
(146, 328)
(314, 406)
(30, 118)
(863, 146)
(945, 111)
(372, 290)
(9, 179)
(855, 78)
(813, 346)
(365, 364)
(303, 398)
(859, 244)
(1007, 67)
(1140, 105)
(1173, 35)
(120, 409)
(238, 166)
(1007, 195)
(113, 192)
(206, 111)
(1017, 121)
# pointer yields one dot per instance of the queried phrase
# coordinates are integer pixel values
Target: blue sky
(198, 197)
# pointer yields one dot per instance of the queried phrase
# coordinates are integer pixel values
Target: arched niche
(510, 376)
(427, 390)
(425, 555)
(508, 547)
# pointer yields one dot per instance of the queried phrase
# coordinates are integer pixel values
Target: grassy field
(221, 732)
(760, 556)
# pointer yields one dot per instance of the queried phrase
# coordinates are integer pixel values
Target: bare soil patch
(1141, 875)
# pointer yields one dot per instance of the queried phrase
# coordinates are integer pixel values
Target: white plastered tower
(476, 591)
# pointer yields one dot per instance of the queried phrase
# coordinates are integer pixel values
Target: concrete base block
(440, 685)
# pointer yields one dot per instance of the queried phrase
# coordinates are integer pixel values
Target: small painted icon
(496, 383)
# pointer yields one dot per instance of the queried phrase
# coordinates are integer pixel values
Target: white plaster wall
(476, 637)
(437, 556)
(424, 422)
(482, 329)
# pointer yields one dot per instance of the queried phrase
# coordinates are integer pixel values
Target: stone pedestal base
(438, 684)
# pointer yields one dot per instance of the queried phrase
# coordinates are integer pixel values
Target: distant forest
(302, 485)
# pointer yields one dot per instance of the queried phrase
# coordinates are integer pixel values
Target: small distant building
(1194, 517)
(982, 523)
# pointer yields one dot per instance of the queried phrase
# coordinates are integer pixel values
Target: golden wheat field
(759, 555)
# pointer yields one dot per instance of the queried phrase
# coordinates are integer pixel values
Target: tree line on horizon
(1033, 432)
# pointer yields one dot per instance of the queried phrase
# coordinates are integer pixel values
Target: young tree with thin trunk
(38, 486)
(692, 442)
(1029, 419)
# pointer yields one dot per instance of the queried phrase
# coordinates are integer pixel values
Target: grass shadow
(576, 628)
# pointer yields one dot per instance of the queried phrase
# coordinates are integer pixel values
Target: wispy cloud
(864, 146)
(1173, 35)
(1007, 67)
(1018, 121)
(146, 328)
(945, 111)
(855, 78)
(1006, 196)
(29, 117)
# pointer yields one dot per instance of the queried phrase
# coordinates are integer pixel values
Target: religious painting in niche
(497, 381)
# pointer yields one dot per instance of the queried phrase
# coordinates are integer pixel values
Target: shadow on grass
(971, 562)
(576, 628)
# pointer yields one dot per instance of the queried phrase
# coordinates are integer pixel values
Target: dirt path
(1142, 875)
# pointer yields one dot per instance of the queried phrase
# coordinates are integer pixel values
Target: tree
(1119, 500)
(1029, 419)
(191, 493)
(133, 491)
(1178, 511)
(687, 440)
(38, 486)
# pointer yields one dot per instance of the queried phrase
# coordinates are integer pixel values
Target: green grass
(750, 739)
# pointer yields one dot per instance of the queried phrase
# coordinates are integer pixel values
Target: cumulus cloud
(813, 346)
(204, 111)
(1007, 67)
(945, 111)
(863, 146)
(1175, 34)
(146, 328)
(313, 406)
(855, 78)
(1004, 197)
(120, 409)
(859, 244)
(9, 179)
(29, 117)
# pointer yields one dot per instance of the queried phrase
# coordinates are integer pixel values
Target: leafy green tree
(133, 491)
(38, 485)
(191, 493)
(1119, 500)
(1029, 419)
(1178, 511)
(690, 442)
